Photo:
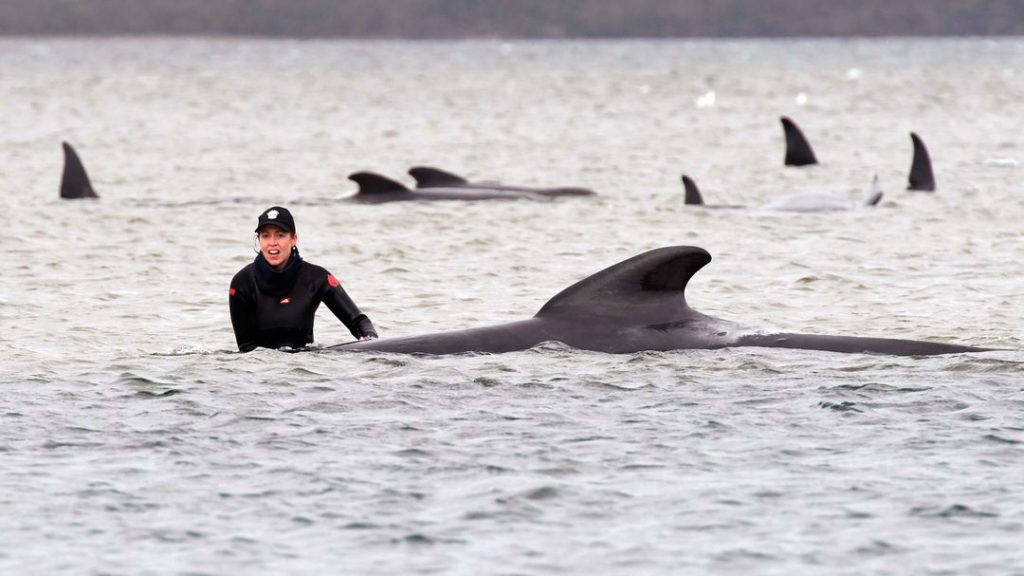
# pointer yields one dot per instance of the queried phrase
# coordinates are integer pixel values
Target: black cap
(279, 217)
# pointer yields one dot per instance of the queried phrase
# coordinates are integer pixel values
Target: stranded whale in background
(428, 177)
(799, 153)
(638, 304)
(74, 182)
(796, 203)
(921, 178)
(375, 189)
(434, 184)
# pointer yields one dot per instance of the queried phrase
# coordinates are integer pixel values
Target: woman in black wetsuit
(274, 300)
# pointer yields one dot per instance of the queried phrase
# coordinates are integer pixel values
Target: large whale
(74, 182)
(638, 304)
(798, 149)
(429, 177)
(374, 188)
(795, 203)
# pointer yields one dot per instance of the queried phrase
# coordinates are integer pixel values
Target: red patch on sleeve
(231, 292)
(333, 281)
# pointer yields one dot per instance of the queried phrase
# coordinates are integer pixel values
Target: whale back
(647, 288)
(798, 149)
(74, 183)
(429, 177)
(921, 177)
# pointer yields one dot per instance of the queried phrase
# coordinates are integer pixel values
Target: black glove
(365, 330)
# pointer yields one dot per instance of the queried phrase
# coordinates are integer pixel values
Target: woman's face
(276, 245)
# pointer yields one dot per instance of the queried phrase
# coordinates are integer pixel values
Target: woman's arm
(243, 316)
(346, 310)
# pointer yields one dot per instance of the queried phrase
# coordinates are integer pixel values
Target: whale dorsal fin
(74, 183)
(921, 177)
(370, 183)
(428, 177)
(692, 192)
(874, 195)
(645, 288)
(798, 150)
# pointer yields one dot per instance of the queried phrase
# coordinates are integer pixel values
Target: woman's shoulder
(247, 271)
(319, 275)
(310, 268)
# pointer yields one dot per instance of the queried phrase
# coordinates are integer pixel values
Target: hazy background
(521, 18)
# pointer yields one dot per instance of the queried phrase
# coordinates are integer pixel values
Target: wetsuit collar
(278, 282)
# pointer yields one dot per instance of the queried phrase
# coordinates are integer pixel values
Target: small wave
(844, 406)
(416, 538)
(192, 351)
(157, 394)
(360, 526)
(1001, 440)
(986, 363)
(951, 511)
(413, 453)
(881, 388)
(549, 346)
(878, 548)
(54, 444)
(541, 493)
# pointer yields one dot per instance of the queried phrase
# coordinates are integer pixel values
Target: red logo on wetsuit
(231, 292)
(286, 300)
(333, 281)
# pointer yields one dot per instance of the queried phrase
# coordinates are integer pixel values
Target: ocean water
(135, 440)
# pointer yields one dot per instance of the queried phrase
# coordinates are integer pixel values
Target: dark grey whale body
(428, 177)
(638, 304)
(74, 182)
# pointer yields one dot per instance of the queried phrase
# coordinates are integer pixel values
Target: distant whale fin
(646, 288)
(874, 196)
(921, 177)
(427, 177)
(798, 150)
(74, 183)
(370, 183)
(692, 192)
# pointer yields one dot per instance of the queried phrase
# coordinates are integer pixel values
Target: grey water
(135, 440)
